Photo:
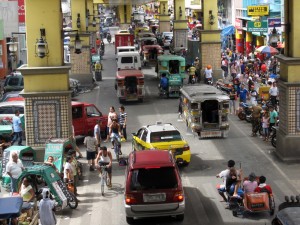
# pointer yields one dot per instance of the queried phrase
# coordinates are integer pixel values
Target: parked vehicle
(245, 112)
(129, 85)
(52, 180)
(288, 211)
(8, 109)
(10, 95)
(167, 38)
(153, 186)
(205, 110)
(129, 60)
(85, 116)
(150, 54)
(14, 82)
(162, 137)
(123, 40)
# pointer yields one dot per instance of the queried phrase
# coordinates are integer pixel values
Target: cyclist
(104, 158)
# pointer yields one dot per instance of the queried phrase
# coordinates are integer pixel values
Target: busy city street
(149, 112)
(209, 157)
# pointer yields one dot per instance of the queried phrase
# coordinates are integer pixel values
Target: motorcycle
(273, 136)
(209, 81)
(245, 112)
(192, 79)
(108, 37)
(116, 141)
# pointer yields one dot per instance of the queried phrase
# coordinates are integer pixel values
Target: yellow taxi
(162, 136)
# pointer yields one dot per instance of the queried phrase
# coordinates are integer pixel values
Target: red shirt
(261, 188)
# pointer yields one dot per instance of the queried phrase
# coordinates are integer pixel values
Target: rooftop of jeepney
(203, 91)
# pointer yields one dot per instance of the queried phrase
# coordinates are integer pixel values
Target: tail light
(130, 199)
(178, 196)
(186, 148)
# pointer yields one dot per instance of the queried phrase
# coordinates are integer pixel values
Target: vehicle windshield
(156, 178)
(13, 81)
(126, 60)
(163, 136)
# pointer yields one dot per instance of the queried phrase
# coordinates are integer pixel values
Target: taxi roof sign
(261, 10)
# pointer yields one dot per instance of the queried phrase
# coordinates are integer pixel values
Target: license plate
(211, 134)
(157, 197)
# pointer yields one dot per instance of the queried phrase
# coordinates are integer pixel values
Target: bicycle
(104, 176)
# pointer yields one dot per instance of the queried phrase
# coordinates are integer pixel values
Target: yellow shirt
(192, 70)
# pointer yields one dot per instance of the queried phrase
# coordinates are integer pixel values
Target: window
(194, 106)
(20, 108)
(139, 133)
(127, 59)
(91, 111)
(144, 137)
(158, 178)
(6, 110)
(76, 112)
(13, 81)
(165, 136)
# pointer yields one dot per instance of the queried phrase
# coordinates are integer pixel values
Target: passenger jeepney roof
(200, 92)
(152, 46)
(290, 215)
(126, 47)
(170, 57)
(147, 38)
(135, 53)
(16, 148)
(121, 74)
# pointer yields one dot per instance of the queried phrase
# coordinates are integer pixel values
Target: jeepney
(129, 85)
(146, 41)
(205, 110)
(150, 53)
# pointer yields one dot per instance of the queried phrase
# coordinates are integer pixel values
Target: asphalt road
(209, 157)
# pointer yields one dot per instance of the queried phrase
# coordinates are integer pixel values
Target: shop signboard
(274, 22)
(257, 26)
(260, 10)
(238, 24)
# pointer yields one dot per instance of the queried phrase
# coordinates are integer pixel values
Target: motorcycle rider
(197, 65)
(208, 74)
(108, 37)
(192, 72)
(102, 46)
(164, 82)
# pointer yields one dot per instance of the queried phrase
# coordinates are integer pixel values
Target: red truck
(123, 39)
(85, 116)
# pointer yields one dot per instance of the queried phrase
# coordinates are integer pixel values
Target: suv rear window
(162, 136)
(157, 178)
(13, 81)
(126, 59)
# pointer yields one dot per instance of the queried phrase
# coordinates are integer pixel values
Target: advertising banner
(238, 24)
(21, 11)
(274, 22)
(260, 10)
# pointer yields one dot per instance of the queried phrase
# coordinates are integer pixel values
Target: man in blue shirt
(17, 128)
(243, 94)
(164, 82)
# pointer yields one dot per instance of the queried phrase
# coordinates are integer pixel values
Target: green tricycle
(26, 154)
(174, 68)
(42, 176)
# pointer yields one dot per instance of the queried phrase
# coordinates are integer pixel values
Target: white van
(125, 49)
(129, 60)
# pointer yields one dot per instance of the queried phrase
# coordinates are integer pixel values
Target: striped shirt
(122, 117)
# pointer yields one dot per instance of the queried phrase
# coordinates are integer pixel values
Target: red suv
(153, 186)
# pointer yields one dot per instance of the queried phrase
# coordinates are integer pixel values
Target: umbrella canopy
(267, 50)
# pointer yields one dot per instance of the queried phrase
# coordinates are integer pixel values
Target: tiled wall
(289, 108)
(46, 117)
(81, 62)
(210, 54)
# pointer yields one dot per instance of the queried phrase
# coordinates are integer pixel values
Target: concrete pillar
(124, 14)
(80, 63)
(210, 44)
(180, 24)
(46, 80)
(239, 41)
(163, 16)
(259, 41)
(288, 136)
(248, 42)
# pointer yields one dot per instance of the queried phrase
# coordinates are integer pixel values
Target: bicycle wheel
(102, 185)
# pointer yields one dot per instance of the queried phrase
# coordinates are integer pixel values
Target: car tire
(180, 217)
(129, 220)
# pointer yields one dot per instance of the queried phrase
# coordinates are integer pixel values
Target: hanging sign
(261, 10)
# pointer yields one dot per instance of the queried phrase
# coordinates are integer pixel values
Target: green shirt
(273, 116)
